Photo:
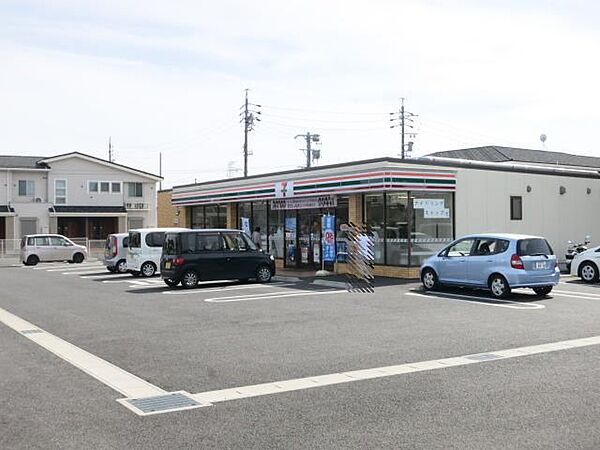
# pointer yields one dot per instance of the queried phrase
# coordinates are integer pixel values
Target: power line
(403, 119)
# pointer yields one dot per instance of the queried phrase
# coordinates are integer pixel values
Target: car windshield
(135, 239)
(533, 247)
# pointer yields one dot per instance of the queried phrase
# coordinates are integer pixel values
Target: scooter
(575, 249)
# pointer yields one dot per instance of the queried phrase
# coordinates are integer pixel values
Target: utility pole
(311, 154)
(160, 170)
(110, 152)
(248, 118)
(404, 119)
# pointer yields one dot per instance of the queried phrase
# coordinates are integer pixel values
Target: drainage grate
(484, 357)
(163, 403)
(36, 330)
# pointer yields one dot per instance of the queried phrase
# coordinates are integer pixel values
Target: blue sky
(170, 77)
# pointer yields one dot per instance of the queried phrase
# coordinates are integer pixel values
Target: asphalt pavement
(228, 337)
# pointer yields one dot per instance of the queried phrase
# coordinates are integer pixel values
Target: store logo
(284, 189)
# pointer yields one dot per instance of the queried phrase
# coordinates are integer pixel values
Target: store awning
(62, 210)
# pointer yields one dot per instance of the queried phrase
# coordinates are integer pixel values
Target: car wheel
(589, 272)
(429, 279)
(263, 274)
(544, 290)
(170, 283)
(121, 266)
(189, 279)
(78, 258)
(499, 286)
(32, 260)
(148, 269)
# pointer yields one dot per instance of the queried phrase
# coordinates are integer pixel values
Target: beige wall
(167, 213)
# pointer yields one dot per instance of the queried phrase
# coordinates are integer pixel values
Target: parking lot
(293, 363)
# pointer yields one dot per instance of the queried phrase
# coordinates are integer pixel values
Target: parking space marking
(270, 296)
(62, 266)
(486, 301)
(104, 371)
(297, 384)
(227, 288)
(576, 295)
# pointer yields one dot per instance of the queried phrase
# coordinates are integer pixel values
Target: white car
(585, 265)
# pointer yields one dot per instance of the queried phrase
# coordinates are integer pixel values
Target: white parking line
(269, 296)
(47, 267)
(576, 295)
(387, 371)
(486, 301)
(105, 372)
(84, 272)
(76, 268)
(227, 288)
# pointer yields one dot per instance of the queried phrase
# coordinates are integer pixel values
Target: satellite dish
(543, 138)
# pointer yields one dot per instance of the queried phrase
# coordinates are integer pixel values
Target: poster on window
(432, 204)
(328, 230)
(443, 213)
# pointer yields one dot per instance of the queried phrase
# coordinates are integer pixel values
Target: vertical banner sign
(328, 228)
(246, 225)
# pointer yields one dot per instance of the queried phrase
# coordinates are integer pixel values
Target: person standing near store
(256, 237)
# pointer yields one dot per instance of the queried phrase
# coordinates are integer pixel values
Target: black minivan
(213, 254)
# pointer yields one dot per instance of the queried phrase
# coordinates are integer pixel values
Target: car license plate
(168, 265)
(540, 265)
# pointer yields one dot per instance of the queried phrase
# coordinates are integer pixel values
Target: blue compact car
(498, 262)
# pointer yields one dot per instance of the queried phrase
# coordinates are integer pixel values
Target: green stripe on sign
(422, 180)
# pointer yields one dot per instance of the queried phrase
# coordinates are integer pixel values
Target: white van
(145, 250)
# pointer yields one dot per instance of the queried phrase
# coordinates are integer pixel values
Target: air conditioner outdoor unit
(38, 200)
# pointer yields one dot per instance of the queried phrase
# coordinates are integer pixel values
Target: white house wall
(78, 172)
(483, 205)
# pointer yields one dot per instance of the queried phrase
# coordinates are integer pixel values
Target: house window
(104, 186)
(516, 208)
(26, 188)
(60, 192)
(115, 188)
(93, 186)
(135, 189)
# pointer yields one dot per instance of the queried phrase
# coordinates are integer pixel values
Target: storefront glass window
(276, 233)
(216, 216)
(396, 230)
(341, 224)
(375, 221)
(221, 216)
(432, 224)
(291, 226)
(259, 219)
(197, 217)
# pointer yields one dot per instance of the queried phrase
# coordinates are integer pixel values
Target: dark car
(218, 254)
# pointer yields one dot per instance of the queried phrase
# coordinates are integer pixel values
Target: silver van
(50, 247)
(115, 252)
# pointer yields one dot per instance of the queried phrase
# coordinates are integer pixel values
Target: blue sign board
(328, 228)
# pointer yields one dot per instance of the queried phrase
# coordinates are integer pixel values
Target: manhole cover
(484, 357)
(162, 403)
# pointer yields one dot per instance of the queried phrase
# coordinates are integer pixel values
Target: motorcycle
(575, 249)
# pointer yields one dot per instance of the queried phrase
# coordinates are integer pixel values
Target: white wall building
(73, 194)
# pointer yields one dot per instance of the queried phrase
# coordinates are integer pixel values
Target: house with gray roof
(74, 194)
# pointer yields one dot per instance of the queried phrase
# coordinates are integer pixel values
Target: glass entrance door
(309, 238)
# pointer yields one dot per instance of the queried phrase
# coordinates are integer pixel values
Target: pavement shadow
(483, 295)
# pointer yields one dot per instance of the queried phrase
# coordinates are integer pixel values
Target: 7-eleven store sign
(284, 189)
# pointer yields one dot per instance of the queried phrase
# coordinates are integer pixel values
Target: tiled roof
(493, 153)
(24, 162)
